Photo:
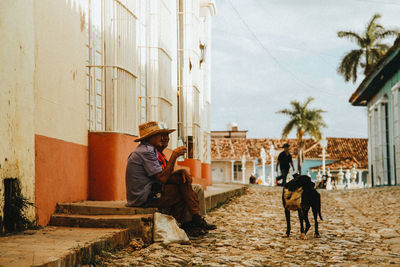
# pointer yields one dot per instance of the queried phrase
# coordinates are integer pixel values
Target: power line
(378, 2)
(304, 84)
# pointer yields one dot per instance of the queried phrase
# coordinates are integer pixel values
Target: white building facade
(77, 70)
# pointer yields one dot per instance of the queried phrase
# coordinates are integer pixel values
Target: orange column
(206, 173)
(108, 154)
(195, 170)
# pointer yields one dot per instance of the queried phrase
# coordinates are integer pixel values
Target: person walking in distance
(284, 162)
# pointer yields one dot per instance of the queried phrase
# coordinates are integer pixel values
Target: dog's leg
(287, 215)
(302, 235)
(305, 213)
(315, 214)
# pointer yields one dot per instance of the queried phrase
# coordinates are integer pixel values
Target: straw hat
(151, 128)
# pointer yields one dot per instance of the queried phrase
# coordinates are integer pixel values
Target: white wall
(221, 171)
(61, 109)
(17, 146)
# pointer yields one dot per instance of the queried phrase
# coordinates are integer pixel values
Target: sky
(266, 53)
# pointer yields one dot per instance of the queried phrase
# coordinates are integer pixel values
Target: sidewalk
(66, 246)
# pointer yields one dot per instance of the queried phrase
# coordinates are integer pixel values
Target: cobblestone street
(360, 228)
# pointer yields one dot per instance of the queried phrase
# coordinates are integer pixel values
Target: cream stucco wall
(222, 171)
(16, 96)
(61, 109)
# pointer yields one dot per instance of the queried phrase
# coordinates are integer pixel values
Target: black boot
(193, 230)
(200, 222)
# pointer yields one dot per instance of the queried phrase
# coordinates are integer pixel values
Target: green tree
(306, 121)
(369, 52)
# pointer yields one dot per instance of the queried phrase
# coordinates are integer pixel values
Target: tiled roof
(346, 163)
(235, 148)
(338, 149)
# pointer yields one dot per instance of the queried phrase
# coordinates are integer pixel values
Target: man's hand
(187, 178)
(179, 151)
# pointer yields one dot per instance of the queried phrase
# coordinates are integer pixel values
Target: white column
(319, 176)
(340, 175)
(328, 182)
(353, 176)
(347, 175)
(272, 155)
(360, 181)
(324, 144)
(263, 171)
(323, 161)
(263, 156)
(243, 169)
(254, 168)
(233, 162)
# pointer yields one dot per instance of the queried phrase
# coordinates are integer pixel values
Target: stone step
(101, 208)
(139, 225)
(215, 196)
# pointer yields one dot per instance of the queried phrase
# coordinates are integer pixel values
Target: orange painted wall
(61, 174)
(206, 172)
(194, 166)
(196, 170)
(108, 154)
(67, 172)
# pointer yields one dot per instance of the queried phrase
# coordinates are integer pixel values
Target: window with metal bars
(112, 66)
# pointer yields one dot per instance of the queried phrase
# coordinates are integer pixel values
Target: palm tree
(306, 121)
(370, 49)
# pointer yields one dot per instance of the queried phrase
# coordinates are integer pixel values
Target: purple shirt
(142, 166)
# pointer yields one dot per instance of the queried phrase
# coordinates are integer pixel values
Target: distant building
(379, 92)
(228, 163)
(231, 132)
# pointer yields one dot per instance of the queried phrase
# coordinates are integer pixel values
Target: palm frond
(383, 47)
(308, 101)
(285, 111)
(348, 65)
(387, 33)
(351, 36)
(367, 41)
(354, 68)
(371, 24)
(288, 128)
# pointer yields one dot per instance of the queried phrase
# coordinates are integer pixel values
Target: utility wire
(305, 85)
(378, 2)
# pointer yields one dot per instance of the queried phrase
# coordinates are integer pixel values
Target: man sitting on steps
(196, 187)
(149, 184)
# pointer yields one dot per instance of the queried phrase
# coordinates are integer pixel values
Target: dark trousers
(283, 176)
(178, 196)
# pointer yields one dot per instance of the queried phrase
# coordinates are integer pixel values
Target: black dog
(299, 194)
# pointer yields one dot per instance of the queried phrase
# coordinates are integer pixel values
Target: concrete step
(101, 208)
(59, 246)
(217, 195)
(139, 225)
(139, 221)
